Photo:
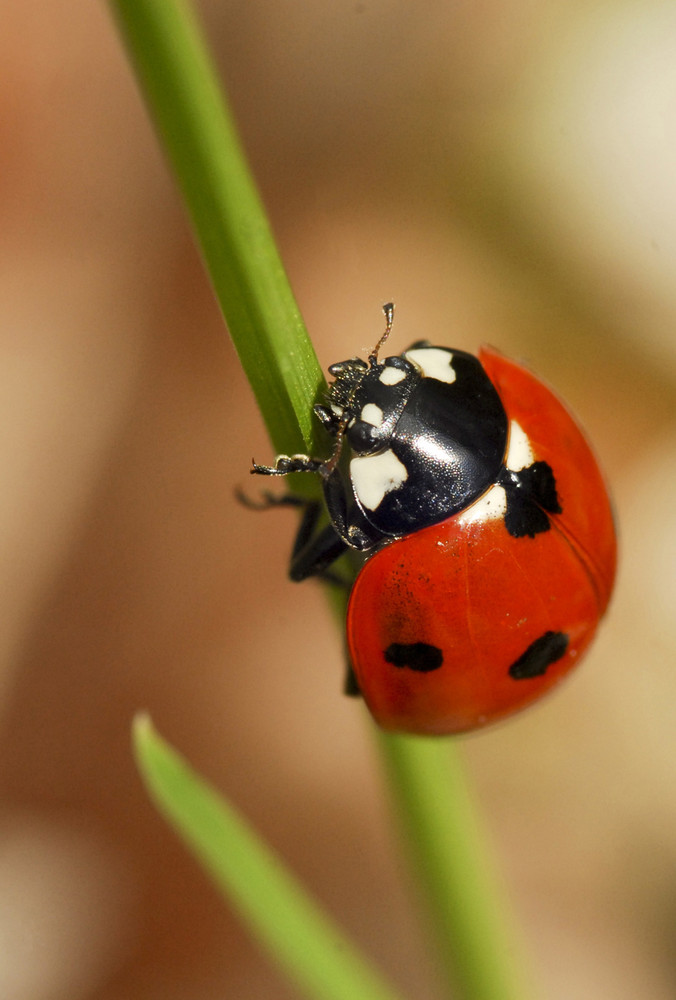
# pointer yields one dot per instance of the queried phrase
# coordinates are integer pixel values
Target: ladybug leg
(318, 554)
(284, 464)
(350, 686)
(351, 526)
(315, 558)
(269, 500)
(313, 551)
(311, 556)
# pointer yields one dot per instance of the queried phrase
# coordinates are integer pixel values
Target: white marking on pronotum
(391, 375)
(375, 475)
(491, 505)
(433, 362)
(372, 414)
(519, 449)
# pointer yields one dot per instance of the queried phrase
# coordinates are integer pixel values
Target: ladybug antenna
(328, 467)
(388, 309)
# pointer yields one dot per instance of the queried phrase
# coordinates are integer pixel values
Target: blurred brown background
(506, 172)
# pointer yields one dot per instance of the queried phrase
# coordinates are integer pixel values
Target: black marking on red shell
(418, 656)
(541, 653)
(531, 496)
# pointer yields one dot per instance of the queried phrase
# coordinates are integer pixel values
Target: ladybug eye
(364, 436)
(367, 432)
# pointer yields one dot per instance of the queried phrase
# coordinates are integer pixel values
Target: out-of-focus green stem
(454, 868)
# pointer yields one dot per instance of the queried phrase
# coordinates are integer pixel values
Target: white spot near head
(491, 505)
(372, 414)
(338, 410)
(433, 362)
(519, 449)
(391, 376)
(375, 475)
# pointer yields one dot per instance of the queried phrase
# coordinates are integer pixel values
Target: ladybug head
(340, 397)
(347, 379)
(365, 399)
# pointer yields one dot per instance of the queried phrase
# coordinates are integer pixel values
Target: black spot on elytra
(418, 656)
(531, 496)
(541, 653)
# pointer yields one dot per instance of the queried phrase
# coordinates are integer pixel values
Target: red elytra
(483, 597)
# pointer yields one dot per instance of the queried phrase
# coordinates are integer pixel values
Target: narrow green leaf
(183, 96)
(280, 914)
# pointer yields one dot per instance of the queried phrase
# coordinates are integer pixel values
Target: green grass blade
(183, 96)
(282, 917)
(446, 846)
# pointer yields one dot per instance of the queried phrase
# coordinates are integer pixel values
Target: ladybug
(485, 526)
